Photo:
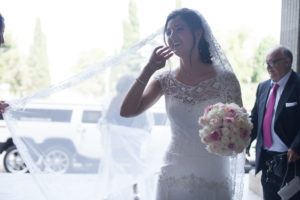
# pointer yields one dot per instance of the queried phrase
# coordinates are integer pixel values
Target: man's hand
(248, 152)
(292, 156)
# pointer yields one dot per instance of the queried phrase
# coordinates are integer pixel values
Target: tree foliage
(247, 56)
(131, 35)
(37, 62)
(178, 4)
(28, 74)
(11, 62)
(25, 75)
(96, 85)
(259, 72)
(235, 46)
(131, 32)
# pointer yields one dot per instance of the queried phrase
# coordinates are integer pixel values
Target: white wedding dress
(190, 171)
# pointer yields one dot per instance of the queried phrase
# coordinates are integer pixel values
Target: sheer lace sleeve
(163, 79)
(231, 88)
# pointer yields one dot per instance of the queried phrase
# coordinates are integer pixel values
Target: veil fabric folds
(75, 144)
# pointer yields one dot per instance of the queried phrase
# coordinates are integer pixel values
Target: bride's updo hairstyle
(193, 20)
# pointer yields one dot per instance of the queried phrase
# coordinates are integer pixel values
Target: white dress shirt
(277, 144)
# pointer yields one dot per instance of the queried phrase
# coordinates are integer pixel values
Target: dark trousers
(271, 182)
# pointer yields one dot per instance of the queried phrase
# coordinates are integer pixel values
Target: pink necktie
(268, 117)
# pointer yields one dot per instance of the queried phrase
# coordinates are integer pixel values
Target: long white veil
(75, 144)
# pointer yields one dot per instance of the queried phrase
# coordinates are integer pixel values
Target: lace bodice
(205, 90)
(185, 103)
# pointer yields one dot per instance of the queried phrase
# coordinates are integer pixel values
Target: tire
(57, 160)
(12, 161)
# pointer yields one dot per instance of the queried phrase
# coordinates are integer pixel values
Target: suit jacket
(287, 116)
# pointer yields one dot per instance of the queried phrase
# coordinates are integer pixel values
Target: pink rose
(244, 134)
(215, 136)
(230, 146)
(231, 112)
(228, 120)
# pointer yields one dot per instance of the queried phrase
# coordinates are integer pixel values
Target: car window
(50, 115)
(91, 116)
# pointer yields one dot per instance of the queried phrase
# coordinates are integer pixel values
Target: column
(290, 29)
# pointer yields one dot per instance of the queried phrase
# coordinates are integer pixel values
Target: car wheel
(57, 160)
(13, 163)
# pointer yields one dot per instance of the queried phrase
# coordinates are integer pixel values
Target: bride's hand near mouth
(159, 57)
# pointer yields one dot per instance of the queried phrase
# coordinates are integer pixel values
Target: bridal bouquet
(225, 129)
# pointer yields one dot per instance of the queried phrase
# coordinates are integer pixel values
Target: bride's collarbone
(195, 78)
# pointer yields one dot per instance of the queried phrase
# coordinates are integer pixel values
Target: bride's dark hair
(193, 20)
(1, 22)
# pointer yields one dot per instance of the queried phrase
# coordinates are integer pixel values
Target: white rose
(225, 131)
(225, 140)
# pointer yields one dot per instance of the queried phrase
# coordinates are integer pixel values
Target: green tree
(236, 45)
(239, 48)
(37, 62)
(96, 85)
(178, 4)
(131, 35)
(11, 62)
(247, 60)
(259, 72)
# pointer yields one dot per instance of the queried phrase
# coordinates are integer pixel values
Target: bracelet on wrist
(141, 82)
(151, 68)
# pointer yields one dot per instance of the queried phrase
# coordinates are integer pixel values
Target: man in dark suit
(3, 105)
(276, 123)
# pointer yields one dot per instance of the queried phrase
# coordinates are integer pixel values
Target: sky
(76, 26)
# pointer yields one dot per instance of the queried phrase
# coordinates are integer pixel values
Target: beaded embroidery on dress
(190, 171)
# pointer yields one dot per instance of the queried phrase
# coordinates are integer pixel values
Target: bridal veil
(76, 146)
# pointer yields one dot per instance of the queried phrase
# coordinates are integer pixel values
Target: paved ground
(248, 194)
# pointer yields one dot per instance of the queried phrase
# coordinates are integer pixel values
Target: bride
(203, 77)
(105, 160)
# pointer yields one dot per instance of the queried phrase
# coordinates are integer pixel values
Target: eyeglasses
(271, 63)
